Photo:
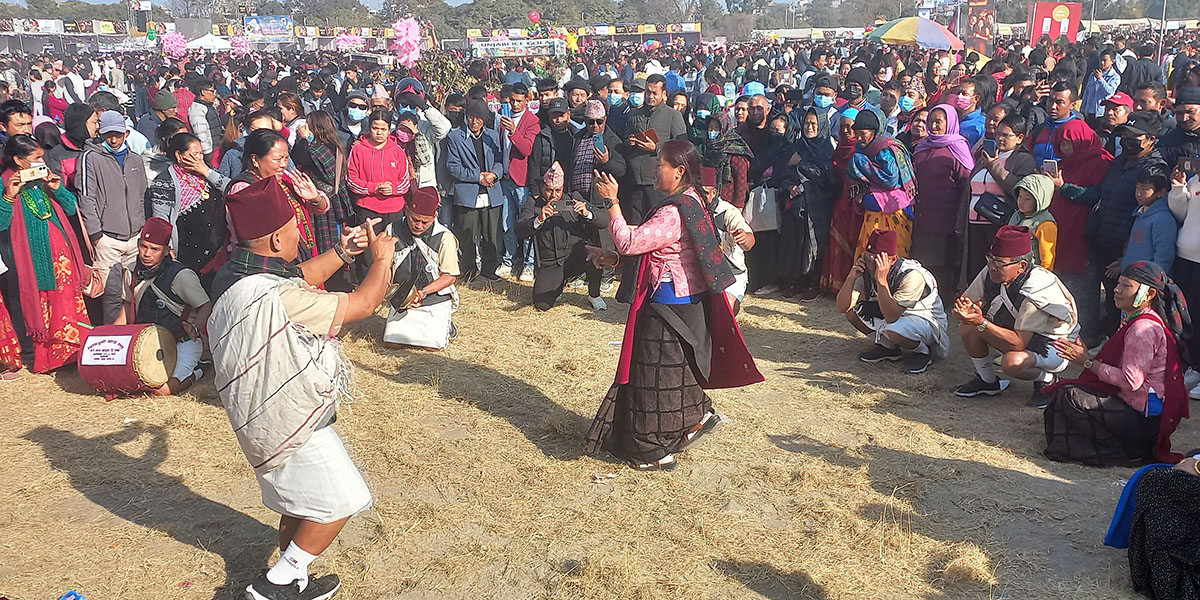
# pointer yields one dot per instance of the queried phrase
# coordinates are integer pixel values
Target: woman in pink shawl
(942, 163)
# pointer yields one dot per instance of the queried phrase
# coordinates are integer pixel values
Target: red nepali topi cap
(1012, 241)
(708, 177)
(425, 201)
(259, 209)
(157, 230)
(1120, 99)
(882, 241)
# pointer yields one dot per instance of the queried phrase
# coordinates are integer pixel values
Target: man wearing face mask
(637, 94)
(641, 152)
(1139, 159)
(824, 97)
(350, 122)
(112, 189)
(889, 105)
(618, 106)
(858, 82)
(971, 118)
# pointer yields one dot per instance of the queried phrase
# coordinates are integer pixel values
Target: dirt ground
(835, 479)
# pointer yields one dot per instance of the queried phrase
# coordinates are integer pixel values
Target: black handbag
(994, 208)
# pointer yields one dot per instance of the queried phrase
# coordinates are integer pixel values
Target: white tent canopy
(209, 42)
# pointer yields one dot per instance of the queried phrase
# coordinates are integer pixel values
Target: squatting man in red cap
(424, 270)
(160, 290)
(895, 301)
(280, 372)
(1017, 308)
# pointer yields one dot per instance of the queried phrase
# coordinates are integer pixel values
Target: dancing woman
(680, 336)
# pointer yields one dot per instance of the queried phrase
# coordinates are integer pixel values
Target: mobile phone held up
(1050, 167)
(598, 141)
(506, 110)
(1188, 165)
(989, 146)
(34, 173)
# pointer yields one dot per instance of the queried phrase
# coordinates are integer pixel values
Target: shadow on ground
(133, 489)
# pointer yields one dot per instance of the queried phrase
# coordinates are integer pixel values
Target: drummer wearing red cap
(424, 270)
(280, 373)
(895, 301)
(160, 290)
(1017, 308)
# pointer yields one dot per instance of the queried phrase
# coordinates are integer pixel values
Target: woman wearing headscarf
(882, 181)
(680, 325)
(806, 189)
(1082, 166)
(725, 150)
(81, 123)
(916, 130)
(1130, 398)
(943, 164)
(705, 107)
(847, 217)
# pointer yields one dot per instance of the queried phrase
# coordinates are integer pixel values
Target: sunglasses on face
(595, 121)
(356, 105)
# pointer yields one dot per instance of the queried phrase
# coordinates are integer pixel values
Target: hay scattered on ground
(835, 479)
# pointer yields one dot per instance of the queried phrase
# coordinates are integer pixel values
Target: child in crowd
(1033, 211)
(735, 234)
(1152, 237)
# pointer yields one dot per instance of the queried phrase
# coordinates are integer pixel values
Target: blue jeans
(514, 199)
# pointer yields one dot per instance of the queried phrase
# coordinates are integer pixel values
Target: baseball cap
(410, 84)
(111, 121)
(1148, 122)
(557, 105)
(639, 84)
(1120, 99)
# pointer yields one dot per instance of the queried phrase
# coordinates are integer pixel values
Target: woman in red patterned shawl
(680, 336)
(846, 223)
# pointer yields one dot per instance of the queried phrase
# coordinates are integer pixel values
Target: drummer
(425, 269)
(160, 290)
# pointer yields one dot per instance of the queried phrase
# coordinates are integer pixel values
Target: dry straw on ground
(835, 480)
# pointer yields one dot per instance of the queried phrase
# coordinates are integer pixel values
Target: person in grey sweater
(112, 199)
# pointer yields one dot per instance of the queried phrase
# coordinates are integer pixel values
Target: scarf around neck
(951, 139)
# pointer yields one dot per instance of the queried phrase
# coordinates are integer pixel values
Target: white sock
(292, 566)
(1045, 377)
(985, 369)
(922, 348)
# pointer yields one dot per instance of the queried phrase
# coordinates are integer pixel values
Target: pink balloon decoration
(174, 44)
(535, 16)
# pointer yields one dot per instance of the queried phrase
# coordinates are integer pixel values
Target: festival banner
(268, 29)
(981, 26)
(37, 26)
(104, 27)
(518, 48)
(1055, 19)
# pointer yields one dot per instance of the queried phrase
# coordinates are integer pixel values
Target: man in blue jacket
(474, 161)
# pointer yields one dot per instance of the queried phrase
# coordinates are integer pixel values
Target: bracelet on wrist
(342, 254)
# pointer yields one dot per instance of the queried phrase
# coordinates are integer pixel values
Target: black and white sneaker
(879, 353)
(320, 588)
(1040, 399)
(978, 387)
(917, 363)
(263, 589)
